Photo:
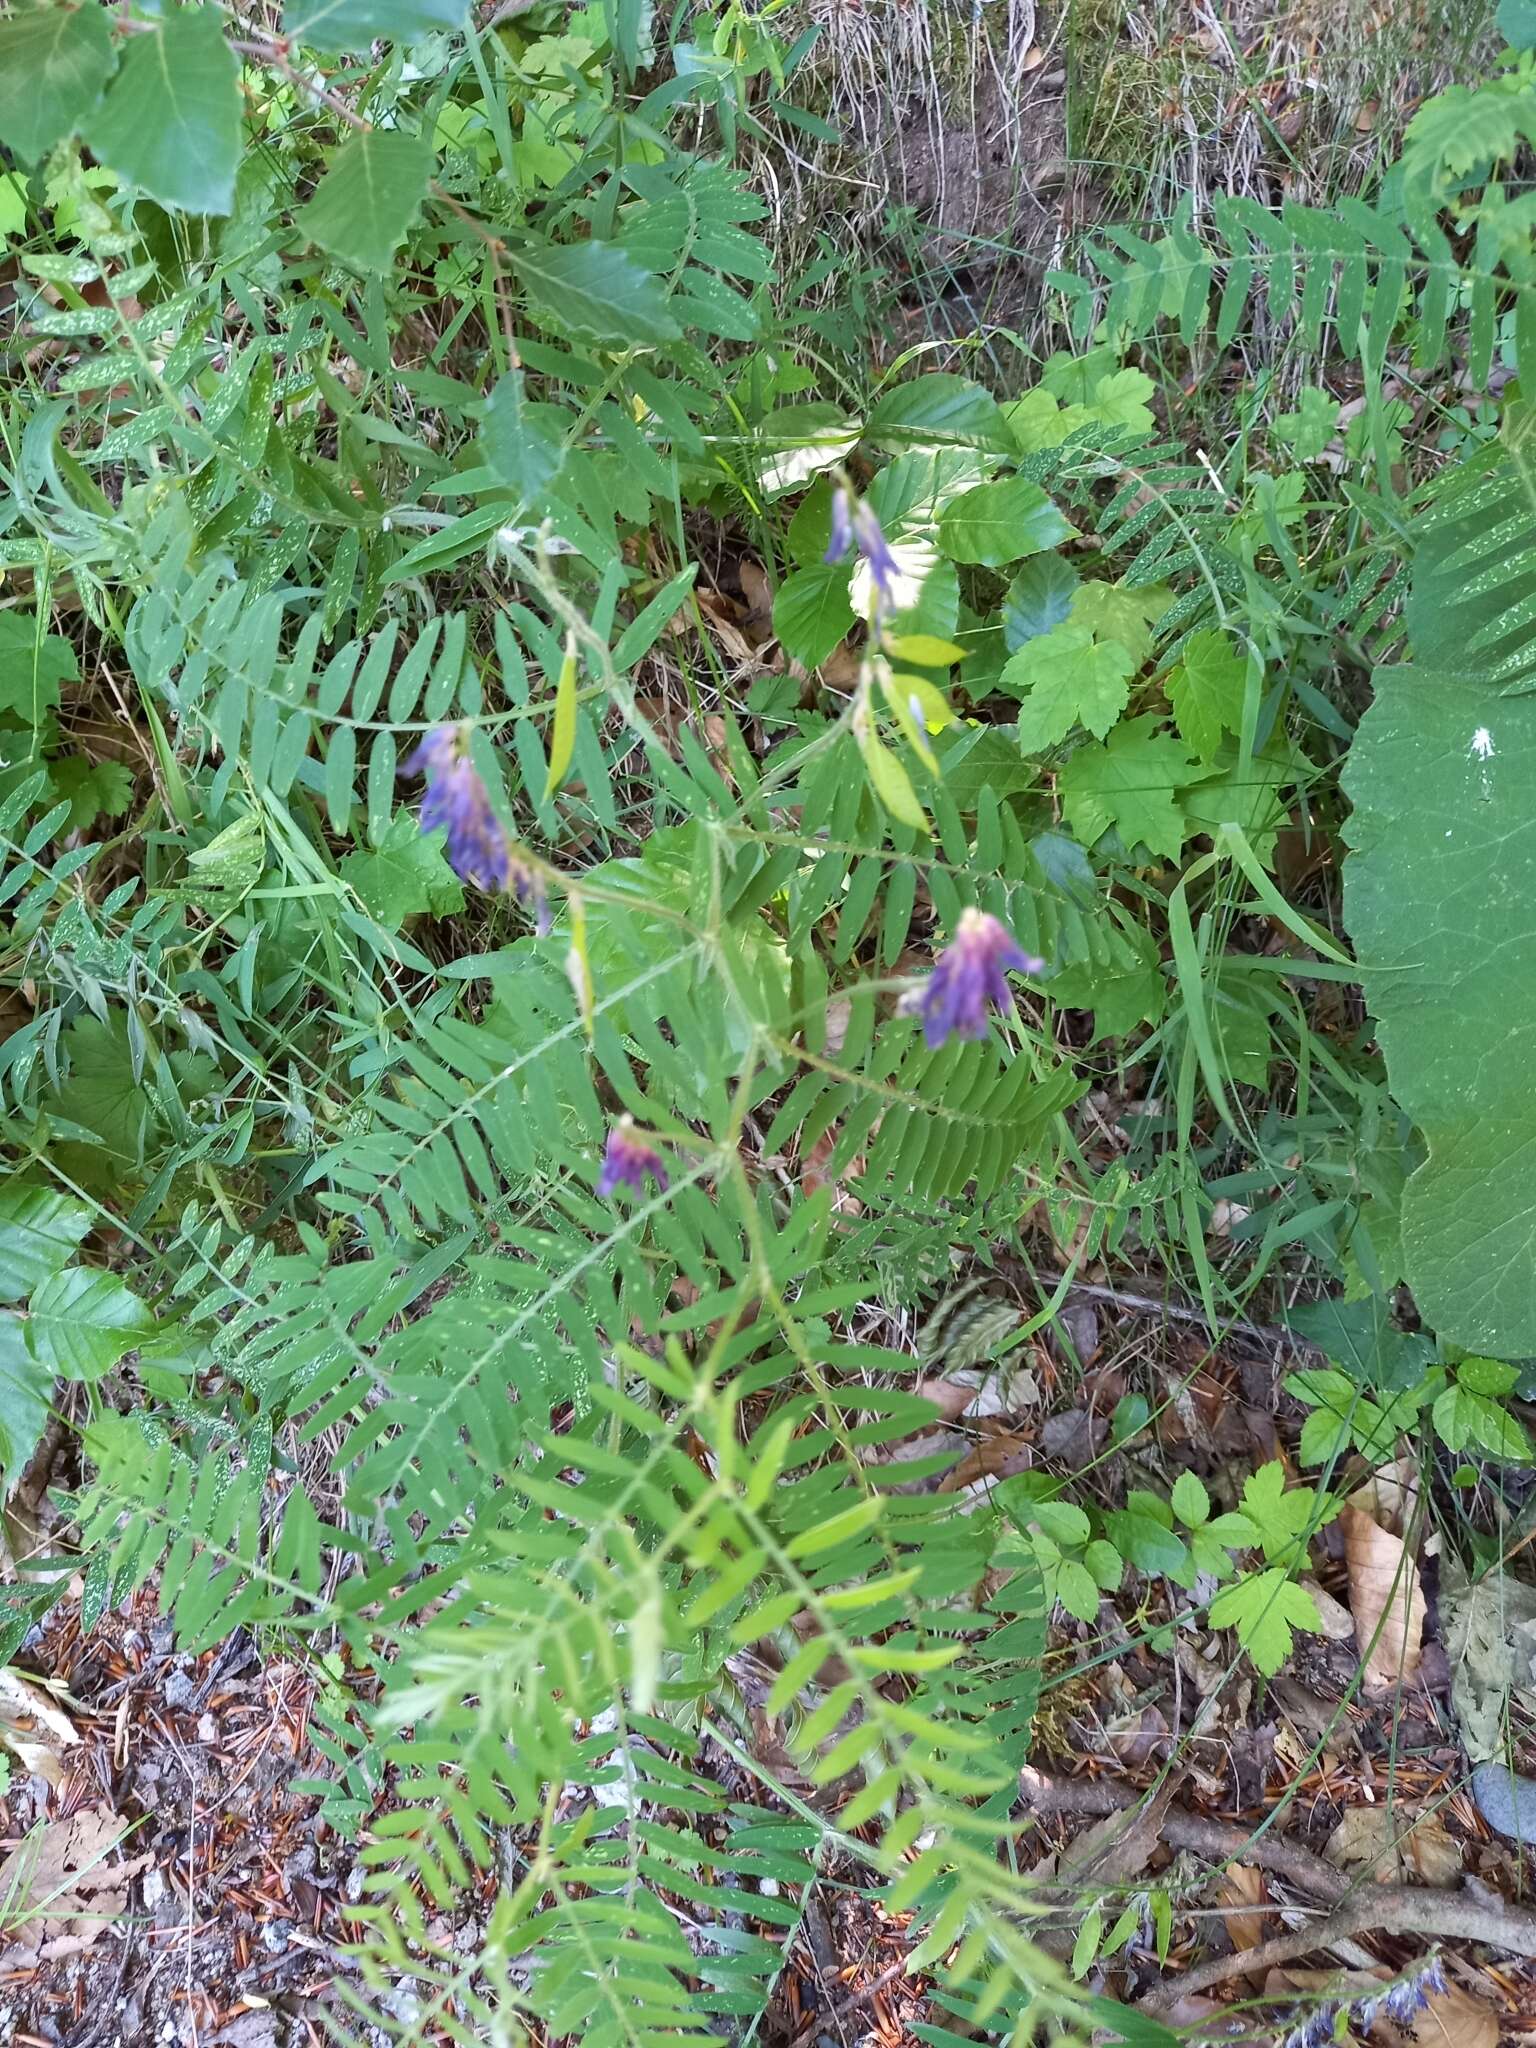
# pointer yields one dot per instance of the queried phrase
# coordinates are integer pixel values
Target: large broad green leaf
(170, 123)
(521, 439)
(1440, 898)
(1003, 522)
(25, 1388)
(940, 410)
(369, 197)
(593, 290)
(39, 1230)
(82, 1321)
(353, 24)
(54, 62)
(812, 611)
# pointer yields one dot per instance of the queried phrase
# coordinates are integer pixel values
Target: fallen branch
(1380, 1909)
(1222, 1841)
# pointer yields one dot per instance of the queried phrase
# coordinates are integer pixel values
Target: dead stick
(1220, 1840)
(1382, 1909)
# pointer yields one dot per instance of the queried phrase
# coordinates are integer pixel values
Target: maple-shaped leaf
(1264, 1610)
(1071, 678)
(1112, 612)
(1286, 1518)
(93, 789)
(405, 873)
(32, 666)
(1251, 798)
(1206, 691)
(1131, 782)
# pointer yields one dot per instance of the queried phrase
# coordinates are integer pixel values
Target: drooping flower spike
(627, 1159)
(854, 525)
(969, 978)
(457, 801)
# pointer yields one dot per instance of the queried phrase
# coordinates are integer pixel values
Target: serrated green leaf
(1191, 1502)
(1039, 598)
(404, 875)
(32, 666)
(54, 63)
(25, 1391)
(596, 292)
(522, 439)
(368, 198)
(938, 411)
(92, 789)
(1002, 522)
(39, 1230)
(1206, 691)
(1265, 1610)
(1071, 679)
(170, 121)
(81, 1321)
(1130, 782)
(352, 24)
(813, 612)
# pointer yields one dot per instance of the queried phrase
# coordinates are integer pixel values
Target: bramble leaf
(170, 122)
(54, 63)
(1130, 782)
(368, 198)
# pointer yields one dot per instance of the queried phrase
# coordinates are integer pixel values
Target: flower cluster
(969, 977)
(1401, 2002)
(458, 802)
(854, 525)
(628, 1158)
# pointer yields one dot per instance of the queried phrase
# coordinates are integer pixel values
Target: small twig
(844, 2006)
(1378, 1909)
(1183, 1312)
(1221, 1840)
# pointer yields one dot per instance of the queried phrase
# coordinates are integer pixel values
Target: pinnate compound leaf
(597, 292)
(353, 24)
(1002, 522)
(1071, 678)
(369, 197)
(1440, 900)
(1130, 782)
(405, 874)
(39, 1230)
(82, 1321)
(170, 122)
(54, 63)
(1206, 692)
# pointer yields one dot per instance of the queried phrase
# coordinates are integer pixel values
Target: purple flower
(457, 799)
(968, 976)
(628, 1158)
(855, 526)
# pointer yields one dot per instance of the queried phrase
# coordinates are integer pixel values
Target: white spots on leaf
(1482, 744)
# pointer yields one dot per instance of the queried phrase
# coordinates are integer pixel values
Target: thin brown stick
(1379, 1909)
(1222, 1841)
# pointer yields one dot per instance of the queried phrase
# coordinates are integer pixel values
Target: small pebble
(207, 1729)
(180, 1691)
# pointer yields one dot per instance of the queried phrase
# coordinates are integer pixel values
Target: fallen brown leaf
(1240, 1892)
(1392, 1845)
(1386, 1599)
(33, 1728)
(58, 1888)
